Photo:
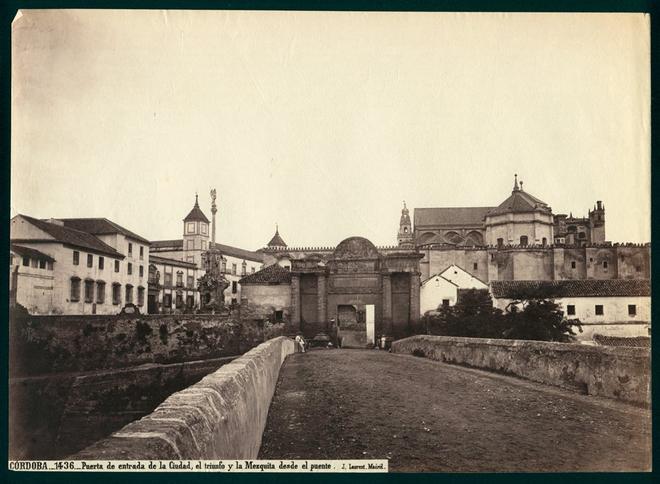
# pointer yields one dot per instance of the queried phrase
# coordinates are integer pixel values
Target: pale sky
(325, 122)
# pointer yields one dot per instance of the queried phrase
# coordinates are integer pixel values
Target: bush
(474, 316)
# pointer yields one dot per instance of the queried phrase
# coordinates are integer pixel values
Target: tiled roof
(572, 288)
(100, 226)
(196, 214)
(154, 259)
(237, 252)
(450, 216)
(520, 201)
(273, 274)
(276, 241)
(71, 236)
(29, 252)
(629, 342)
(159, 244)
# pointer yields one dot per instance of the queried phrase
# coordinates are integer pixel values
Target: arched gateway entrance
(366, 292)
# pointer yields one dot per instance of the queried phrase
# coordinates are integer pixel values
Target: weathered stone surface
(614, 372)
(52, 416)
(220, 417)
(50, 344)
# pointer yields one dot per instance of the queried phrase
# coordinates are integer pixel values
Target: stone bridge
(540, 407)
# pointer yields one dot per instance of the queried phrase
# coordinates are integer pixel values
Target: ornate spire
(515, 183)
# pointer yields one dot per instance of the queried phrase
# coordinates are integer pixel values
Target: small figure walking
(301, 342)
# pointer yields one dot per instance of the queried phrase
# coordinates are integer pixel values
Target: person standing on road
(301, 342)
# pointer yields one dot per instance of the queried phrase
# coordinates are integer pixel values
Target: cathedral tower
(597, 222)
(405, 235)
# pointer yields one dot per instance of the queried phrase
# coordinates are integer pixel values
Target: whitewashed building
(96, 266)
(442, 289)
(609, 307)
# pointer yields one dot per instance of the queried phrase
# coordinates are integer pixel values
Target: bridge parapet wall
(614, 372)
(220, 417)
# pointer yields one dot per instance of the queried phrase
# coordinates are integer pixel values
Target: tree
(534, 316)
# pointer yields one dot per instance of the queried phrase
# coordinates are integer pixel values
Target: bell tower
(405, 235)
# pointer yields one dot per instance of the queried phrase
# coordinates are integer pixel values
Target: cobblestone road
(424, 415)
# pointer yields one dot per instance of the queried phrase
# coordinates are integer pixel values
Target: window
(445, 303)
(141, 271)
(475, 266)
(500, 242)
(234, 287)
(224, 265)
(34, 263)
(179, 278)
(243, 268)
(76, 257)
(129, 268)
(26, 261)
(168, 278)
(544, 241)
(599, 310)
(116, 266)
(191, 281)
(100, 292)
(570, 310)
(523, 240)
(234, 301)
(233, 269)
(101, 263)
(141, 252)
(140, 296)
(75, 289)
(279, 315)
(203, 244)
(191, 227)
(632, 310)
(190, 244)
(49, 265)
(252, 270)
(190, 301)
(89, 291)
(638, 269)
(129, 294)
(167, 300)
(573, 265)
(582, 235)
(90, 260)
(130, 249)
(42, 264)
(179, 301)
(116, 293)
(205, 228)
(604, 264)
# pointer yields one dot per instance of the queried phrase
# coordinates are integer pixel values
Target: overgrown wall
(52, 344)
(221, 417)
(55, 415)
(615, 372)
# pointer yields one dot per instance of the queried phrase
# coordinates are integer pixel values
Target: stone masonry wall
(221, 417)
(614, 372)
(52, 344)
(55, 415)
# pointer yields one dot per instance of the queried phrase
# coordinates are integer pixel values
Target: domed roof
(196, 214)
(520, 201)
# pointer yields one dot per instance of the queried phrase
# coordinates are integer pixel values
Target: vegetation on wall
(532, 317)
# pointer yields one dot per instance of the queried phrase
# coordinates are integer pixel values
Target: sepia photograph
(308, 241)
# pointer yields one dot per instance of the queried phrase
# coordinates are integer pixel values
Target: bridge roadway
(424, 415)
